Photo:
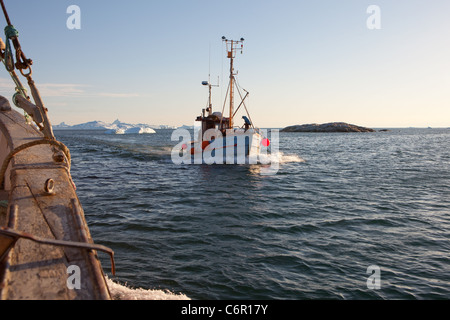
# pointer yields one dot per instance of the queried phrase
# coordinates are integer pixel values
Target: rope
(10, 32)
(8, 61)
(22, 63)
(61, 146)
(24, 66)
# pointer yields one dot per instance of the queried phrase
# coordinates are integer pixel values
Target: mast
(208, 83)
(232, 47)
(230, 55)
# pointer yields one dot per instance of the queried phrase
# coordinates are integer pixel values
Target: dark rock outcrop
(327, 127)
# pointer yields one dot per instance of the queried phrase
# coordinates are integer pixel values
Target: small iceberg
(139, 130)
(132, 130)
(115, 131)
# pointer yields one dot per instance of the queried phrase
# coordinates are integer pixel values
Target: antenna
(208, 83)
(232, 47)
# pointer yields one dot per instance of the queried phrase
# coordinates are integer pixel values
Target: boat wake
(123, 292)
(258, 159)
(280, 157)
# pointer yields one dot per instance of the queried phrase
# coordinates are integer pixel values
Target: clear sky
(143, 61)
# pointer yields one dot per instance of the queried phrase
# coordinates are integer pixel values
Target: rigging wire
(223, 108)
(243, 103)
(22, 64)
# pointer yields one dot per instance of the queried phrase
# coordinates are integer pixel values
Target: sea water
(339, 205)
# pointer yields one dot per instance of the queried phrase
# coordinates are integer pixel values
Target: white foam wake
(279, 157)
(285, 158)
(122, 292)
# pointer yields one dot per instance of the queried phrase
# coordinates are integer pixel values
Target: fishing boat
(46, 249)
(218, 139)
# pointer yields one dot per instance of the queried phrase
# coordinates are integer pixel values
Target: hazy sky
(143, 61)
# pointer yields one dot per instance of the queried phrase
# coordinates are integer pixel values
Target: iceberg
(139, 130)
(92, 125)
(115, 131)
(117, 127)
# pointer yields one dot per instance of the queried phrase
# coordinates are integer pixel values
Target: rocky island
(327, 127)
